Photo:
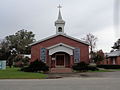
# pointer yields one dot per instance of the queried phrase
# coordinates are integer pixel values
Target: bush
(36, 66)
(92, 68)
(109, 66)
(18, 64)
(20, 61)
(82, 66)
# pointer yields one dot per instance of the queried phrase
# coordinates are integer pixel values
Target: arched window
(59, 29)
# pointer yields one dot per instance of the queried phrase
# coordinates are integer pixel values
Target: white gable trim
(58, 35)
(61, 48)
(60, 44)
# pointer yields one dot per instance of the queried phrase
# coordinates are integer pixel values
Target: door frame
(56, 60)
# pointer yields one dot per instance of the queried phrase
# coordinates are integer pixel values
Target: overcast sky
(81, 16)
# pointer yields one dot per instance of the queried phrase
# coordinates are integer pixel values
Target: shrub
(109, 66)
(92, 68)
(82, 66)
(20, 61)
(18, 64)
(36, 66)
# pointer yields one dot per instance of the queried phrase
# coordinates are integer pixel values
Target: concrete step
(60, 70)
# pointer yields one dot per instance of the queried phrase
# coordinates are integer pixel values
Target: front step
(60, 70)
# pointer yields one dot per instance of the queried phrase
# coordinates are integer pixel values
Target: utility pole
(116, 18)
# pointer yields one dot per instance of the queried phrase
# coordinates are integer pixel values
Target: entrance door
(60, 59)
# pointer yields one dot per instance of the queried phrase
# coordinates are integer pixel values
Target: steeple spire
(59, 15)
(59, 23)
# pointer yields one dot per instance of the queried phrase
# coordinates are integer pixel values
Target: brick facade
(111, 61)
(84, 49)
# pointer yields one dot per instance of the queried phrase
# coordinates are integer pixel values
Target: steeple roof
(59, 15)
(59, 20)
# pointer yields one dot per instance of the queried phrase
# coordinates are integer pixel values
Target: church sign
(2, 64)
(76, 55)
(43, 55)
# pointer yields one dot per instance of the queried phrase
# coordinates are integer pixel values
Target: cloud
(106, 38)
(81, 16)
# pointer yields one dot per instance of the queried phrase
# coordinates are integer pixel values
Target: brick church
(60, 51)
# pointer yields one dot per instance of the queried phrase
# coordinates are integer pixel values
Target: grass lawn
(106, 70)
(115, 69)
(14, 73)
(101, 71)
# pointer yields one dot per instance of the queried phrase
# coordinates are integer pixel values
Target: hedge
(82, 66)
(36, 66)
(109, 66)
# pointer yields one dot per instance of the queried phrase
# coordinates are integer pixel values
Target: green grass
(115, 69)
(15, 73)
(101, 71)
(106, 70)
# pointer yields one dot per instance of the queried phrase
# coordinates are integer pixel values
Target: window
(59, 29)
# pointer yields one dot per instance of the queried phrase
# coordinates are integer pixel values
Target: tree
(4, 50)
(117, 44)
(16, 44)
(98, 56)
(91, 40)
(20, 41)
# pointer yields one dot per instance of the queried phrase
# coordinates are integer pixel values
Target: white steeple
(59, 23)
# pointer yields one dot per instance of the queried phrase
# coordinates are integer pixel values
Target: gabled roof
(60, 44)
(113, 54)
(59, 20)
(64, 35)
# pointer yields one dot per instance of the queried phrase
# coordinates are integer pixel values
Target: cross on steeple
(59, 6)
(59, 23)
(59, 15)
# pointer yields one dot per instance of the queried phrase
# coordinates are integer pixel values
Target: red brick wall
(118, 60)
(110, 61)
(84, 49)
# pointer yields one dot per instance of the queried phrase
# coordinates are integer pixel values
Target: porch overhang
(61, 47)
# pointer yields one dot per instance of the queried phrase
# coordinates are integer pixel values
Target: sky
(81, 16)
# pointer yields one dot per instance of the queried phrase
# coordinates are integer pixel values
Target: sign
(43, 55)
(76, 55)
(3, 64)
(0, 64)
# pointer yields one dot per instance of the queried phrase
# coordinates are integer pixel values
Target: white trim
(58, 35)
(60, 48)
(60, 44)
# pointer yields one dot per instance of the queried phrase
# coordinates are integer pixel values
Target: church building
(60, 51)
